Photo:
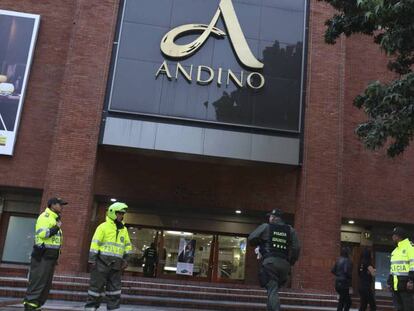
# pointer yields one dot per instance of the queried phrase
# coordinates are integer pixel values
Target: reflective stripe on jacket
(45, 222)
(110, 243)
(402, 264)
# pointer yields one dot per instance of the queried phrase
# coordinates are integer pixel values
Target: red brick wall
(375, 186)
(27, 168)
(57, 143)
(71, 166)
(196, 184)
(317, 217)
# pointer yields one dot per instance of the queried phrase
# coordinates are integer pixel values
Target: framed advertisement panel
(18, 34)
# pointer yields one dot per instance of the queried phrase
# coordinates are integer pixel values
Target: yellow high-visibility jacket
(110, 244)
(46, 232)
(402, 265)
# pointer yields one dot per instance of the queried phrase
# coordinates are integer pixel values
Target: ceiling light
(113, 200)
(178, 233)
(238, 211)
(351, 222)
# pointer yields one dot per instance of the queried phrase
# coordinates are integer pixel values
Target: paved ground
(7, 304)
(56, 305)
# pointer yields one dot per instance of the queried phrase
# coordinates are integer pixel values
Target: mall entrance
(198, 244)
(357, 234)
(214, 257)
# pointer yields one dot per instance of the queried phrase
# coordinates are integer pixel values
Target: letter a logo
(237, 39)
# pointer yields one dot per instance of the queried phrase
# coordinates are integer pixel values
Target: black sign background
(274, 30)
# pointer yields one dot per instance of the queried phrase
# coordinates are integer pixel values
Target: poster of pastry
(18, 33)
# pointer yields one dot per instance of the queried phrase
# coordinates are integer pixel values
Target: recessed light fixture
(113, 200)
(238, 211)
(351, 222)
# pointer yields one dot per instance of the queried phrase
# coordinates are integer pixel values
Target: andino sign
(236, 62)
(235, 34)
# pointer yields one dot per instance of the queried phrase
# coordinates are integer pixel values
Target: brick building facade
(58, 152)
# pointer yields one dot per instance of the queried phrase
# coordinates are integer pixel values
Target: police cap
(55, 200)
(400, 232)
(275, 212)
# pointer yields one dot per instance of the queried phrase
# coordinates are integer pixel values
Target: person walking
(150, 258)
(45, 254)
(108, 256)
(343, 279)
(401, 280)
(279, 248)
(366, 273)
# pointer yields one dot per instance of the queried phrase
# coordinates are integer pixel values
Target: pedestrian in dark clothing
(151, 257)
(366, 273)
(343, 280)
(279, 250)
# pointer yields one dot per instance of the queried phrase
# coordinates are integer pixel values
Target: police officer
(401, 279)
(46, 250)
(279, 249)
(108, 254)
(150, 256)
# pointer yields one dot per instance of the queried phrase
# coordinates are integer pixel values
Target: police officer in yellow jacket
(46, 250)
(108, 254)
(401, 279)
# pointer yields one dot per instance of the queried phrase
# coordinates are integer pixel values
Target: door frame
(212, 274)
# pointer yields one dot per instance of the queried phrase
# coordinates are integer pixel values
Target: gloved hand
(54, 230)
(124, 265)
(91, 265)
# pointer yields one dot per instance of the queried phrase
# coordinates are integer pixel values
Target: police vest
(402, 264)
(110, 243)
(151, 254)
(277, 243)
(43, 237)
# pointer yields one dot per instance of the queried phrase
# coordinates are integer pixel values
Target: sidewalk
(57, 305)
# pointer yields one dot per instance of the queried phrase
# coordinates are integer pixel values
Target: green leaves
(389, 107)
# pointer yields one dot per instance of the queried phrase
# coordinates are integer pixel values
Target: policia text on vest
(279, 249)
(48, 241)
(108, 255)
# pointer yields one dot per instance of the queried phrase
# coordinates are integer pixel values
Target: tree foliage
(389, 106)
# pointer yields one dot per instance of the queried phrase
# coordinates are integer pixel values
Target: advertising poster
(18, 33)
(186, 253)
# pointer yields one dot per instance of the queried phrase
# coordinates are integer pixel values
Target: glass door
(187, 253)
(141, 239)
(231, 263)
(19, 240)
(382, 264)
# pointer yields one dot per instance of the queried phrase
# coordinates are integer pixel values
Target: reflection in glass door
(141, 239)
(382, 264)
(201, 253)
(231, 257)
(19, 239)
